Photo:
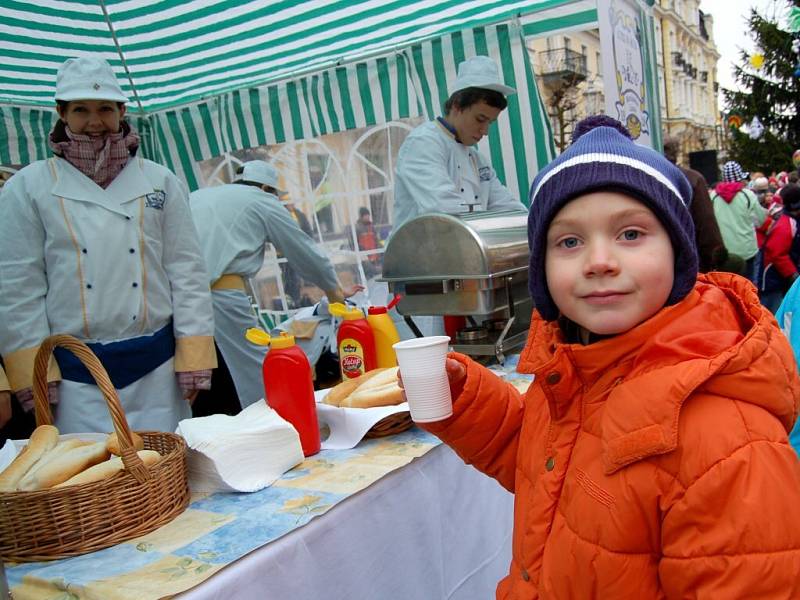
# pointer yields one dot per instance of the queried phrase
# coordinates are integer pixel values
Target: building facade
(687, 75)
(568, 68)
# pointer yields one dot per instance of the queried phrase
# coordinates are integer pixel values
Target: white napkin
(244, 453)
(349, 425)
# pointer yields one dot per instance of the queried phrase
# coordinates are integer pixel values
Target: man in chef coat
(234, 222)
(438, 167)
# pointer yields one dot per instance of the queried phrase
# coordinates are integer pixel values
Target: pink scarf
(101, 159)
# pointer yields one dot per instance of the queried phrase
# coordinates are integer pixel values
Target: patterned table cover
(215, 530)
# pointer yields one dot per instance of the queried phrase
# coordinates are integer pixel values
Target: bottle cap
(283, 341)
(257, 336)
(377, 310)
(337, 309)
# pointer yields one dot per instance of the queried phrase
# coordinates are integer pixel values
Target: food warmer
(473, 265)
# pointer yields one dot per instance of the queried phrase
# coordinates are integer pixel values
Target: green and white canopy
(207, 77)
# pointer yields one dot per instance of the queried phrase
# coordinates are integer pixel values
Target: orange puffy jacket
(654, 464)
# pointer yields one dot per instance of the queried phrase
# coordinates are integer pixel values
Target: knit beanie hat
(603, 156)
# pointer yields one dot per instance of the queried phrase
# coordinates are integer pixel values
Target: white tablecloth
(434, 529)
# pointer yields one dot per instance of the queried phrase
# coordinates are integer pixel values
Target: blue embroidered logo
(485, 173)
(156, 200)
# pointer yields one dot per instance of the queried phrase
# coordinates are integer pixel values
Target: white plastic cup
(421, 362)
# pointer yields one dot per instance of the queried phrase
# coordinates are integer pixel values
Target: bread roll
(113, 446)
(385, 395)
(381, 389)
(62, 467)
(43, 439)
(348, 386)
(109, 468)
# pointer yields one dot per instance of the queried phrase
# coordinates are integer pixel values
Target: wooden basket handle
(44, 416)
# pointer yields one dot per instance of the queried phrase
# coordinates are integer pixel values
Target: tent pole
(121, 56)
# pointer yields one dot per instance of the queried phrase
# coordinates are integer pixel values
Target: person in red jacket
(649, 457)
(780, 249)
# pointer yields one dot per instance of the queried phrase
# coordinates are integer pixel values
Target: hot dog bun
(347, 387)
(113, 446)
(64, 466)
(108, 468)
(43, 439)
(380, 389)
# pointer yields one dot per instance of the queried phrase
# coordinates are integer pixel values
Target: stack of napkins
(244, 453)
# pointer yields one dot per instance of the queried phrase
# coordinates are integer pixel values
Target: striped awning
(172, 52)
(207, 77)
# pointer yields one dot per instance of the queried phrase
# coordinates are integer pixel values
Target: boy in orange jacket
(649, 458)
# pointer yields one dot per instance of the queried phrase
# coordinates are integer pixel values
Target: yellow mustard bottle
(385, 334)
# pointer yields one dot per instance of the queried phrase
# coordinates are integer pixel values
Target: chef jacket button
(131, 250)
(550, 464)
(553, 378)
(127, 218)
(525, 576)
(134, 317)
(462, 189)
(88, 286)
(476, 197)
(135, 284)
(85, 251)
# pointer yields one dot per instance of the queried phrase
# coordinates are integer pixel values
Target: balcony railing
(562, 64)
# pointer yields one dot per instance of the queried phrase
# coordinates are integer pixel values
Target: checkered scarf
(101, 159)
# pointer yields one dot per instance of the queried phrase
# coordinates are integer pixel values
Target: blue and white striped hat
(732, 171)
(603, 156)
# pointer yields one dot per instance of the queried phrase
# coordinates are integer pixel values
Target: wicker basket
(63, 522)
(391, 425)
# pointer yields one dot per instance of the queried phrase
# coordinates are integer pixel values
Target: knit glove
(25, 396)
(191, 381)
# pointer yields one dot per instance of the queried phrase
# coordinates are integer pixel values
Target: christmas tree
(771, 75)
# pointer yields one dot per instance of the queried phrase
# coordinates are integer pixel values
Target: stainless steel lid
(469, 246)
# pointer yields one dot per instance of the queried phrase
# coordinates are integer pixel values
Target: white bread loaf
(113, 445)
(62, 467)
(43, 439)
(348, 386)
(382, 389)
(109, 468)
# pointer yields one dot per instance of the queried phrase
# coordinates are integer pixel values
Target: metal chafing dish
(474, 265)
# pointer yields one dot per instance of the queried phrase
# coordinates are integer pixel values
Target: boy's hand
(456, 373)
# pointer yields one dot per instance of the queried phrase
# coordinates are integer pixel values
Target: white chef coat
(102, 265)
(234, 222)
(435, 173)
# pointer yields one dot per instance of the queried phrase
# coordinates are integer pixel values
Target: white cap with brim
(480, 72)
(88, 78)
(259, 171)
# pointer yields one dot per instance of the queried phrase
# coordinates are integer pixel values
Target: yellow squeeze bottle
(385, 334)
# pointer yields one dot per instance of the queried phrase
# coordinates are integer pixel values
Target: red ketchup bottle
(355, 340)
(289, 390)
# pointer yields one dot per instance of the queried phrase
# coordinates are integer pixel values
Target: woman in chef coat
(99, 243)
(234, 223)
(438, 167)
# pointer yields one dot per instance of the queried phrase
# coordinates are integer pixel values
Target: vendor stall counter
(400, 517)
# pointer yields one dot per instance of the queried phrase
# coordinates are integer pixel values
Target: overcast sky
(731, 33)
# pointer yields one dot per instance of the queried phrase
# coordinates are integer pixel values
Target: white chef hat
(480, 72)
(88, 78)
(260, 171)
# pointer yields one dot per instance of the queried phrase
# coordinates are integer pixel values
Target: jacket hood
(719, 338)
(727, 190)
